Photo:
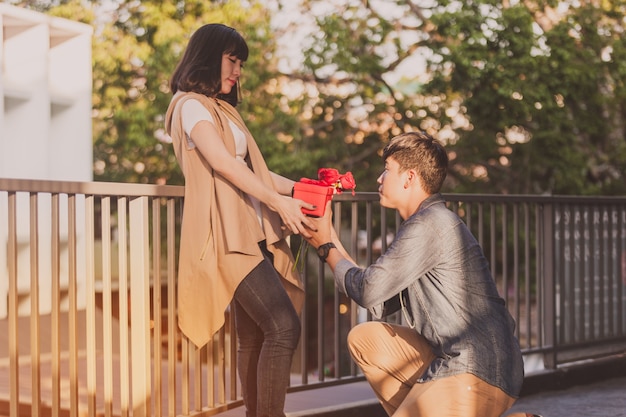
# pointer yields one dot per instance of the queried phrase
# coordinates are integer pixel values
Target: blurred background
(528, 96)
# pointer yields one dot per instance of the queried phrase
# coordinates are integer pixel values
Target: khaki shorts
(393, 357)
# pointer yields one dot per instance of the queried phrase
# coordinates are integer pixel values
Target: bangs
(237, 46)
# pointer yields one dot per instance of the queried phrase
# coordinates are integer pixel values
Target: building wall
(45, 83)
(45, 130)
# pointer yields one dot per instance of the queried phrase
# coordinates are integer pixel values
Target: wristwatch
(324, 250)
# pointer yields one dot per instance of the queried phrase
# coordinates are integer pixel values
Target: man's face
(392, 183)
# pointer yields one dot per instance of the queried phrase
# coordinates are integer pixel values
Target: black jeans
(268, 330)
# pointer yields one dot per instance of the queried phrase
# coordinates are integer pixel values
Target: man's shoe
(533, 415)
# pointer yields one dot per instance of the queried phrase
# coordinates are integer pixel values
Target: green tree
(541, 87)
(136, 46)
(133, 60)
(354, 110)
(527, 95)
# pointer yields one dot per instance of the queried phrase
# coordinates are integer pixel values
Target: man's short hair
(422, 152)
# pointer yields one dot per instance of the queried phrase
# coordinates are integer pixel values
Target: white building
(45, 123)
(45, 84)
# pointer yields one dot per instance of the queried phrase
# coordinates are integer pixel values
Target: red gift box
(318, 195)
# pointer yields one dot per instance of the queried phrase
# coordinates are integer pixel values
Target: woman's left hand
(290, 211)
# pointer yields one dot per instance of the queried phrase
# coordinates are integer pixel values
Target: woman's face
(231, 71)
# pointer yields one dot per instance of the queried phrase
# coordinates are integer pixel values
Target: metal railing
(560, 263)
(88, 308)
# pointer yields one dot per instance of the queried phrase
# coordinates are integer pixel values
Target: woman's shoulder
(184, 96)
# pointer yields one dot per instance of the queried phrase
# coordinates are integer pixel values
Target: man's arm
(326, 233)
(341, 262)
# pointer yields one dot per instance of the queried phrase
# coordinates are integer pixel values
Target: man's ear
(411, 177)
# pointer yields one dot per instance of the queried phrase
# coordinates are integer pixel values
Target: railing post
(140, 306)
(548, 287)
(14, 369)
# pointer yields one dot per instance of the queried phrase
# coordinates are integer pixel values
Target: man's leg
(462, 395)
(392, 359)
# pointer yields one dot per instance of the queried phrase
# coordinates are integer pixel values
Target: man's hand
(324, 232)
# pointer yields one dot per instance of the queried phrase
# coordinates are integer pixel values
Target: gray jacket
(437, 266)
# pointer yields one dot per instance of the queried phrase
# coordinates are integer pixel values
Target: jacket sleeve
(390, 306)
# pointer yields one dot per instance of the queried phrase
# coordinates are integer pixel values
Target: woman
(236, 217)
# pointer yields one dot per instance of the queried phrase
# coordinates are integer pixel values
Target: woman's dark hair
(200, 69)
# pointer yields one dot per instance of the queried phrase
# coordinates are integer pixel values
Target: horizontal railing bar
(522, 198)
(91, 188)
(326, 383)
(132, 190)
(498, 198)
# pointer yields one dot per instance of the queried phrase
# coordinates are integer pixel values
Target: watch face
(324, 250)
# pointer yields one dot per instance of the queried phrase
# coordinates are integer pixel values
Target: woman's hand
(290, 211)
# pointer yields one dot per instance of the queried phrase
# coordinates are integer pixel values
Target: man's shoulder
(432, 206)
(434, 216)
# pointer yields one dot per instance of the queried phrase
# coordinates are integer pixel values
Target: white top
(193, 112)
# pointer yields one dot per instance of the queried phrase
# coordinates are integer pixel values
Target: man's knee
(364, 336)
(361, 331)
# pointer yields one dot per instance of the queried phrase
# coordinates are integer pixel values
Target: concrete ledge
(580, 373)
(369, 408)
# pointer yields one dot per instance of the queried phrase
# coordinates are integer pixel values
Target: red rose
(348, 182)
(329, 176)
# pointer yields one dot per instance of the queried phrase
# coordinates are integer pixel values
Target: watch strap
(324, 250)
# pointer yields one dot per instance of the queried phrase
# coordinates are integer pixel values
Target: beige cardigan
(220, 230)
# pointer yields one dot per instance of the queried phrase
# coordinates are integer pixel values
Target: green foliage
(136, 47)
(545, 80)
(529, 98)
